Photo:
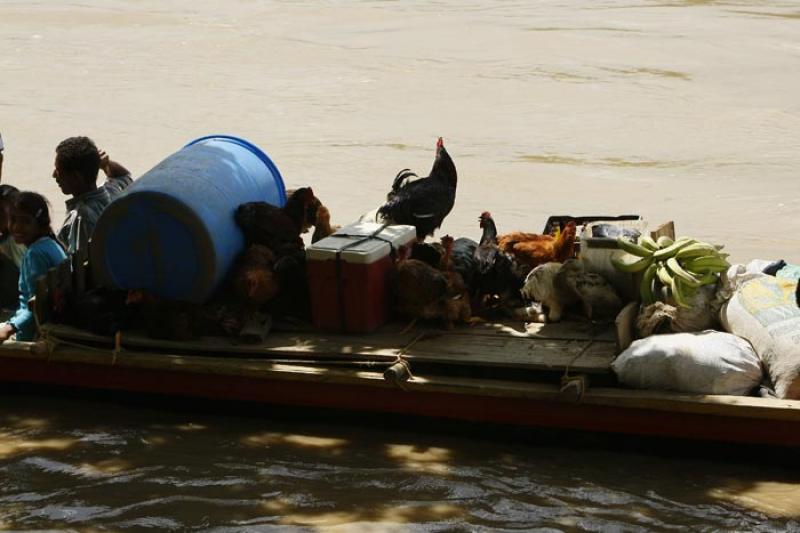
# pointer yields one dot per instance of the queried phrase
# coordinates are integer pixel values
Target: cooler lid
(362, 242)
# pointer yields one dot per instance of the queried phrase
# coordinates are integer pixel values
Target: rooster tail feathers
(403, 178)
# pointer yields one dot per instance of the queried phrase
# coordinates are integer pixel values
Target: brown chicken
(429, 293)
(530, 250)
(322, 227)
(458, 304)
(254, 279)
(166, 319)
(279, 228)
(421, 291)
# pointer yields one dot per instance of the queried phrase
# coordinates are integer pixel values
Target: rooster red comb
(486, 214)
(440, 143)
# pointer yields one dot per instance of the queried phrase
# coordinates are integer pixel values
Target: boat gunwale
(298, 370)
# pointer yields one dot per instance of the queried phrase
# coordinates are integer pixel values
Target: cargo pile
(687, 290)
(671, 270)
(229, 256)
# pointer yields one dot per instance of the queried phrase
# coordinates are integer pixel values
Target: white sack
(763, 310)
(710, 362)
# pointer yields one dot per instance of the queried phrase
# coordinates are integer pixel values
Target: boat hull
(605, 411)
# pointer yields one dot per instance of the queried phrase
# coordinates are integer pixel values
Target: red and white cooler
(348, 275)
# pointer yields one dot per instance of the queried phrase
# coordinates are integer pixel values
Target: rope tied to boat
(399, 371)
(49, 342)
(577, 383)
(117, 347)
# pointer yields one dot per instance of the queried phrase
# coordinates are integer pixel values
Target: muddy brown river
(681, 110)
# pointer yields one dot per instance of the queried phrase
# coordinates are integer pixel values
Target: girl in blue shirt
(30, 225)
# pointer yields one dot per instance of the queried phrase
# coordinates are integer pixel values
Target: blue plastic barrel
(173, 231)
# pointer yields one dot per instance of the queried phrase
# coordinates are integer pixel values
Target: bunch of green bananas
(677, 267)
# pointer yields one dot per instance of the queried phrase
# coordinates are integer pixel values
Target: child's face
(24, 228)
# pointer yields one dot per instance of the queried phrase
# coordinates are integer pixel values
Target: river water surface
(683, 110)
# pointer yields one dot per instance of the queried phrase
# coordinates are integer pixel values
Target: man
(1, 157)
(76, 167)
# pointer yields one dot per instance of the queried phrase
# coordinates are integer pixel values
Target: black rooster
(423, 202)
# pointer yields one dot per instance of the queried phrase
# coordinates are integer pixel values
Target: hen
(428, 252)
(559, 286)
(422, 291)
(279, 228)
(103, 311)
(429, 293)
(598, 298)
(423, 202)
(530, 250)
(498, 276)
(167, 319)
(322, 226)
(254, 279)
(458, 305)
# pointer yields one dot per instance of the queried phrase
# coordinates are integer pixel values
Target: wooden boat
(499, 373)
(505, 373)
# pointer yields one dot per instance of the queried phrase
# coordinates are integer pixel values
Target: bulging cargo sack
(763, 310)
(710, 362)
(701, 314)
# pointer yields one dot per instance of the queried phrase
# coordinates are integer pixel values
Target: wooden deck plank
(294, 344)
(513, 352)
(567, 330)
(435, 346)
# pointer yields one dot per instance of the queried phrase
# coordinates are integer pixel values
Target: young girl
(13, 251)
(11, 254)
(30, 225)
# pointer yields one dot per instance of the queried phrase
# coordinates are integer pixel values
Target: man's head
(76, 166)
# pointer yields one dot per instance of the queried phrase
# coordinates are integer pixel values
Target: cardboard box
(348, 275)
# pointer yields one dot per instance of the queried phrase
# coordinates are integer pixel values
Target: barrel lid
(362, 242)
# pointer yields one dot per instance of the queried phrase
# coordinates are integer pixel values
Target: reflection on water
(80, 463)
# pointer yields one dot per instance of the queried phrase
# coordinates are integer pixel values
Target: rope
(404, 362)
(117, 347)
(52, 341)
(566, 379)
